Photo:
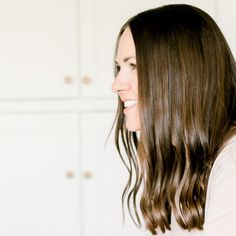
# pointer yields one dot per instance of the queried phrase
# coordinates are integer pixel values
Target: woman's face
(126, 81)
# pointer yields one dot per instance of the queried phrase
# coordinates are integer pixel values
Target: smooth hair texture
(186, 98)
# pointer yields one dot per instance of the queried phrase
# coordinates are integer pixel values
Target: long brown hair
(186, 98)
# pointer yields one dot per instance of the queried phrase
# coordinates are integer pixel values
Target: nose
(120, 84)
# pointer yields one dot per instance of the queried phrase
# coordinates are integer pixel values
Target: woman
(176, 83)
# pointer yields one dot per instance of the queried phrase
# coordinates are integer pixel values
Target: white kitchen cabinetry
(59, 178)
(39, 175)
(39, 49)
(104, 179)
(64, 49)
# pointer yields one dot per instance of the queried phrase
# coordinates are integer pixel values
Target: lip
(125, 96)
(125, 99)
(127, 109)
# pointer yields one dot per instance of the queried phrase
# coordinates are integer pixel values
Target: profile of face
(126, 81)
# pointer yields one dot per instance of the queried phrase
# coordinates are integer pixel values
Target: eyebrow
(126, 59)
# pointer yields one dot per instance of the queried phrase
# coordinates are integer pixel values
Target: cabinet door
(104, 178)
(39, 184)
(100, 22)
(38, 46)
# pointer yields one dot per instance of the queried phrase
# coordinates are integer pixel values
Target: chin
(132, 127)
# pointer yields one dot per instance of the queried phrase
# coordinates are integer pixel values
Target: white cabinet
(104, 178)
(59, 178)
(64, 49)
(39, 175)
(39, 52)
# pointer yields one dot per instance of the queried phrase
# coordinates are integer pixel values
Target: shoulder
(224, 167)
(226, 159)
(220, 211)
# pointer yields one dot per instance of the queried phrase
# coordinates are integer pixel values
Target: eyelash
(117, 69)
(131, 65)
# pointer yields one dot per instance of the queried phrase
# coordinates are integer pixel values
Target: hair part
(187, 91)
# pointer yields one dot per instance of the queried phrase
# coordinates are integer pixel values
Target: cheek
(136, 84)
(138, 118)
(132, 120)
(113, 87)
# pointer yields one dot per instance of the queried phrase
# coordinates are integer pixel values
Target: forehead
(126, 47)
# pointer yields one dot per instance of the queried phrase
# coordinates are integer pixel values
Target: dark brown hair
(186, 98)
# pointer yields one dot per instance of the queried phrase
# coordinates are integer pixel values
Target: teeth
(130, 103)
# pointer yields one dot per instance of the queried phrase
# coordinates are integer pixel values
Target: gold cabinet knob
(88, 175)
(70, 174)
(68, 79)
(86, 80)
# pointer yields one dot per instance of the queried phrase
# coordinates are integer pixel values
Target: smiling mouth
(130, 103)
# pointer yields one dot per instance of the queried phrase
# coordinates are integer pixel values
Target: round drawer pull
(70, 174)
(88, 175)
(68, 79)
(86, 80)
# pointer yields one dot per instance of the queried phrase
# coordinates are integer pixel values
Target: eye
(132, 66)
(117, 69)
